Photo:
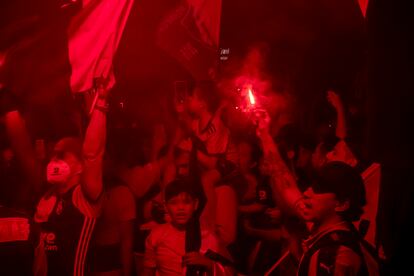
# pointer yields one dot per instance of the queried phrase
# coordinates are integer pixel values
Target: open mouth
(307, 204)
(181, 216)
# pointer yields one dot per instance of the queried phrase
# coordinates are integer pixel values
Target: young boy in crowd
(165, 252)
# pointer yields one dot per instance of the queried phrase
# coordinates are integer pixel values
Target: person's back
(111, 250)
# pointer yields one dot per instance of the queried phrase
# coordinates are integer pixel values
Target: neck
(179, 227)
(326, 224)
(62, 189)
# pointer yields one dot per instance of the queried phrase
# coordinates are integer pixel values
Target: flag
(190, 34)
(372, 179)
(363, 4)
(94, 34)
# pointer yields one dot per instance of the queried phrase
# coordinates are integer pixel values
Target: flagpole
(95, 99)
(277, 263)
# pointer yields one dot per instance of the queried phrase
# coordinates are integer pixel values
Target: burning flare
(251, 97)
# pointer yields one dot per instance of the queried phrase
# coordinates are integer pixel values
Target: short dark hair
(346, 183)
(178, 186)
(71, 144)
(207, 91)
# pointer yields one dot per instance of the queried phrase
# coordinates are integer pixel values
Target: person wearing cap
(67, 212)
(330, 205)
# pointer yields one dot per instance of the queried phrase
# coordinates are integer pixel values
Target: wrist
(101, 105)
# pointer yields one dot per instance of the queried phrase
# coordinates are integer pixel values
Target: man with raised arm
(341, 150)
(67, 212)
(334, 200)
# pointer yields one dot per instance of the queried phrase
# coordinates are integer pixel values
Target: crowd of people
(207, 200)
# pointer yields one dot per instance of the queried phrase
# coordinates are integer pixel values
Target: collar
(309, 242)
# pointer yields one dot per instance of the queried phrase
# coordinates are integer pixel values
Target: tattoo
(276, 165)
(279, 172)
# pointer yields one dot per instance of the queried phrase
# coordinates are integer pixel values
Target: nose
(180, 206)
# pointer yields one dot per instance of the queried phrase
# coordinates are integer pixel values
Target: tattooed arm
(284, 184)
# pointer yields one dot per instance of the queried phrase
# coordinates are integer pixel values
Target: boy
(165, 252)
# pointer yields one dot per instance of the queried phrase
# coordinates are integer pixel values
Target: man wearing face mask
(67, 212)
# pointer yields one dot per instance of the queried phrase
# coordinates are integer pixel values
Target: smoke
(272, 94)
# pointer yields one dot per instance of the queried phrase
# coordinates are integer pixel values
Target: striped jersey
(67, 223)
(338, 251)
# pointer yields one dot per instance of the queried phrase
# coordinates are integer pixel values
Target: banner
(363, 4)
(190, 34)
(94, 34)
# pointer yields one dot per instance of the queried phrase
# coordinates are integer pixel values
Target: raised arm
(284, 184)
(341, 152)
(20, 141)
(94, 147)
(336, 102)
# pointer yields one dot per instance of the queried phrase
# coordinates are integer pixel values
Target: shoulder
(160, 230)
(340, 250)
(85, 206)
(347, 257)
(160, 233)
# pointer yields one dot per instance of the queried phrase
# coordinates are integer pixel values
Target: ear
(196, 204)
(342, 206)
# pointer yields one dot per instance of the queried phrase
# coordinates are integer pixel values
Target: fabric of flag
(190, 34)
(94, 34)
(372, 180)
(363, 4)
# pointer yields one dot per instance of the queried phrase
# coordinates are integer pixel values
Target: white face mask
(58, 172)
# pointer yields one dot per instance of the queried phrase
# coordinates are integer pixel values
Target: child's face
(194, 103)
(181, 208)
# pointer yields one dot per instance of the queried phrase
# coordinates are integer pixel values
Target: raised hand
(336, 102)
(262, 120)
(334, 99)
(101, 87)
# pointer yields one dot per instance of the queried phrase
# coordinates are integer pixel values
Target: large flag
(190, 34)
(363, 4)
(94, 34)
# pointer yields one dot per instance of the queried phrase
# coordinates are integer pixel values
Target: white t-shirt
(165, 248)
